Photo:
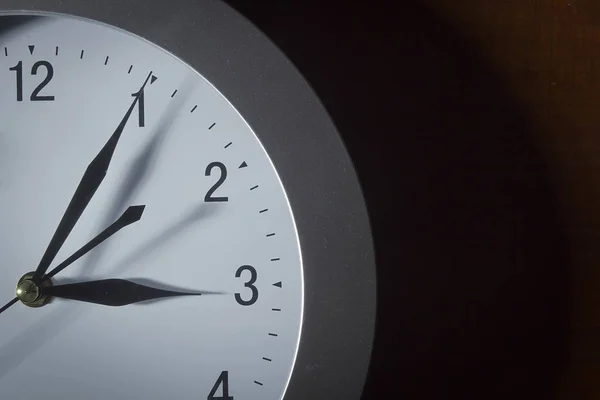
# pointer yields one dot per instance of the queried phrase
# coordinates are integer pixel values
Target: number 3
(249, 284)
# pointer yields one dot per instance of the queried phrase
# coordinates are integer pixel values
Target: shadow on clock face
(472, 265)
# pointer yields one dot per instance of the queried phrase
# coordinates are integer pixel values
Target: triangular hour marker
(244, 165)
(31, 48)
(278, 284)
(153, 79)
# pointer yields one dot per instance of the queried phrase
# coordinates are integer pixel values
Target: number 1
(19, 70)
(142, 117)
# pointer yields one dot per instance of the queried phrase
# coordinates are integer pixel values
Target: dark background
(474, 246)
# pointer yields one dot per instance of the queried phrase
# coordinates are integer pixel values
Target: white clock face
(217, 220)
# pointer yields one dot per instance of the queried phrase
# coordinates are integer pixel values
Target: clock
(179, 216)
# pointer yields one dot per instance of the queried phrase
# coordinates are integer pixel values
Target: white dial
(216, 221)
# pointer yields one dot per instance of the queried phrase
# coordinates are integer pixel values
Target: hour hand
(112, 292)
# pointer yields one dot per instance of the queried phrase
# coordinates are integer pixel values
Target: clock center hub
(32, 293)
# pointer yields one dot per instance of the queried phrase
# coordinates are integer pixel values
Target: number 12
(35, 95)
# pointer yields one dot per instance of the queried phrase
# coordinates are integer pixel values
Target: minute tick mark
(81, 55)
(56, 52)
(258, 383)
(254, 187)
(276, 309)
(275, 259)
(106, 61)
(174, 93)
(212, 126)
(229, 144)
(6, 52)
(263, 211)
(270, 235)
(273, 334)
(267, 359)
(130, 68)
(194, 109)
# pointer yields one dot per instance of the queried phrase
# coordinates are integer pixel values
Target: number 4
(223, 382)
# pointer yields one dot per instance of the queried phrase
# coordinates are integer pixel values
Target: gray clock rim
(311, 160)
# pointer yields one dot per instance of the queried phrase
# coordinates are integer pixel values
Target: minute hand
(112, 292)
(91, 180)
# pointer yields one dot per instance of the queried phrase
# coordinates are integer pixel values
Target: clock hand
(144, 164)
(9, 304)
(90, 182)
(130, 216)
(112, 292)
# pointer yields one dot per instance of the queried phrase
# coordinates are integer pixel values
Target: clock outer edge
(309, 156)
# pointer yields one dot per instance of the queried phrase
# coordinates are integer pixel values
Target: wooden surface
(548, 51)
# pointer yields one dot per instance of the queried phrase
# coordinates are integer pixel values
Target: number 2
(209, 196)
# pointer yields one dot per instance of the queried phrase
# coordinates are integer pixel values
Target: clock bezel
(309, 156)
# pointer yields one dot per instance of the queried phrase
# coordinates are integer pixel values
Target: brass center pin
(31, 293)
